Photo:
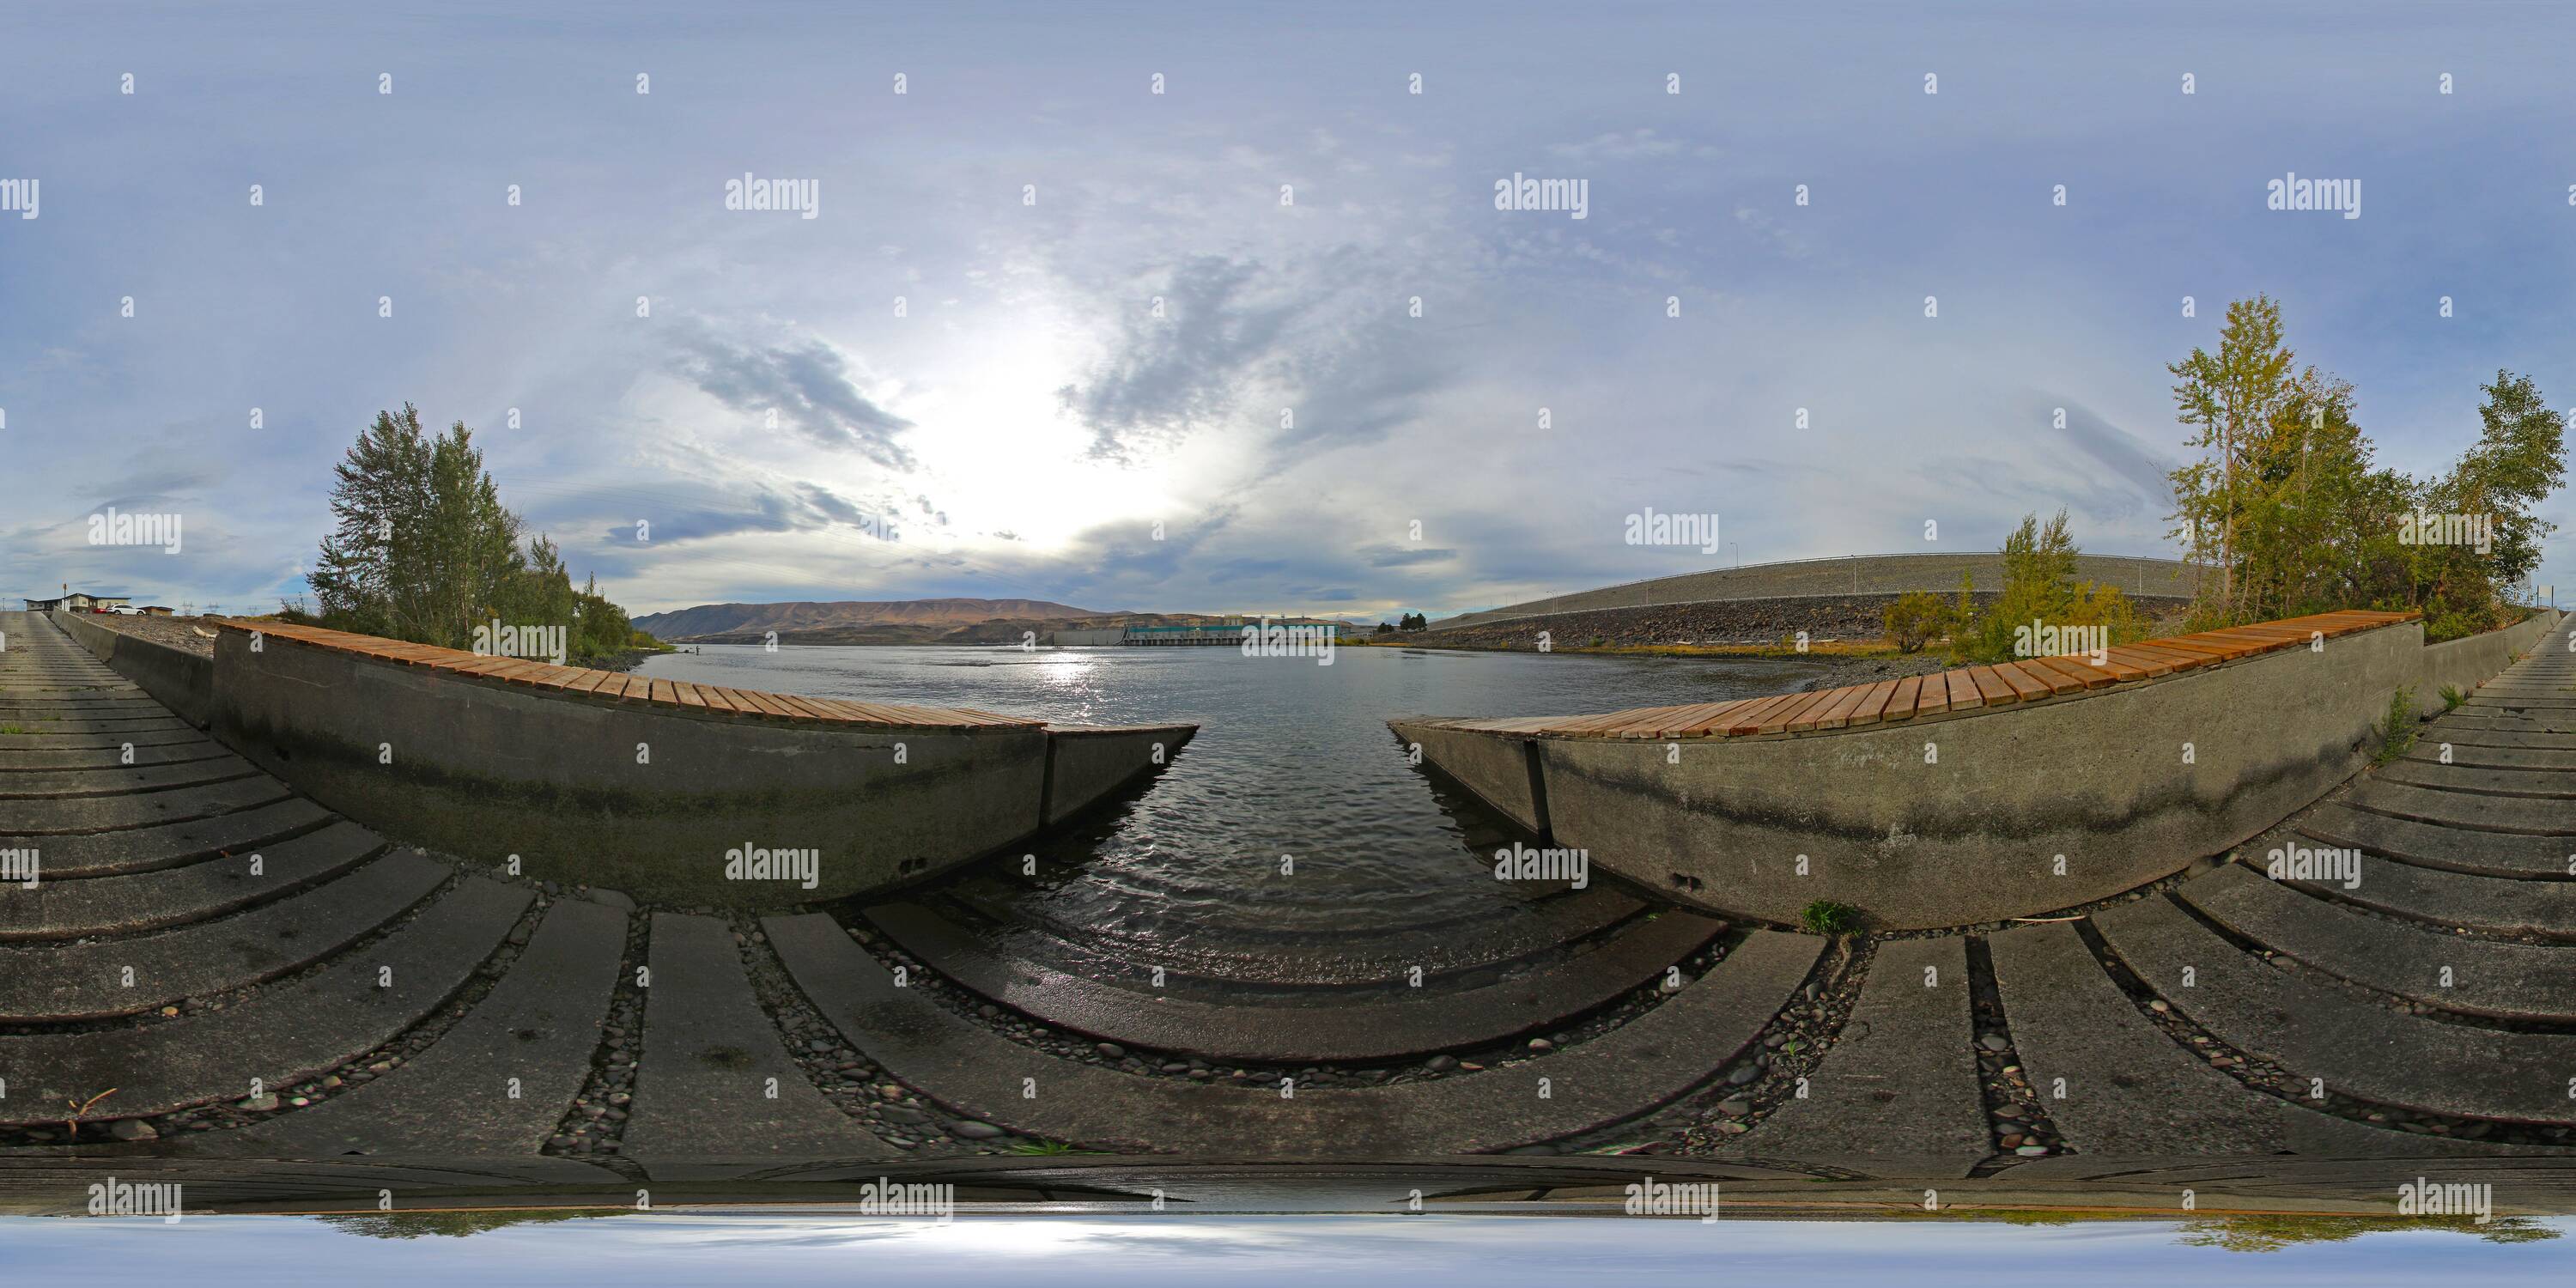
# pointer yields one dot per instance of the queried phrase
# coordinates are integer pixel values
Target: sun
(1009, 465)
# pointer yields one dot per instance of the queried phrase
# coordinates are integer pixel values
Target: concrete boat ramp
(214, 962)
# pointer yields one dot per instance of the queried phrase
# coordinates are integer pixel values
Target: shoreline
(1838, 661)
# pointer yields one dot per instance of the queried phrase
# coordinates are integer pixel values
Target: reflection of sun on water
(1064, 670)
(980, 1235)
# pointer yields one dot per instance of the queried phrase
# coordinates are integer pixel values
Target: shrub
(2440, 627)
(1914, 619)
(2040, 587)
(2452, 697)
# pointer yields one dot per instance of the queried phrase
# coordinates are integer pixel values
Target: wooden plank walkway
(1963, 689)
(580, 684)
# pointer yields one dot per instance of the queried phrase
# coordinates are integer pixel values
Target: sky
(1261, 341)
(1506, 1252)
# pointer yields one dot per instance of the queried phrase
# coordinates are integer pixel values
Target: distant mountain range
(930, 617)
(898, 621)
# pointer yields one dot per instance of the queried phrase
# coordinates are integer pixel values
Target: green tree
(2518, 460)
(2296, 517)
(2231, 398)
(424, 550)
(365, 578)
(423, 545)
(2314, 531)
(602, 629)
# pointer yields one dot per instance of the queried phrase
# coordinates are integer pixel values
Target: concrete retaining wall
(1980, 816)
(1502, 771)
(176, 678)
(646, 798)
(1862, 575)
(1084, 765)
(2467, 663)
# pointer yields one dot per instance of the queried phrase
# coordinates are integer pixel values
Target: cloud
(832, 505)
(1169, 375)
(1391, 557)
(1633, 145)
(806, 382)
(1781, 237)
(1028, 341)
(2134, 477)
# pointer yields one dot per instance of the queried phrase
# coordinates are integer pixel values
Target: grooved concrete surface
(140, 868)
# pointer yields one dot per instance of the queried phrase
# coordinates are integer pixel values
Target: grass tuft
(1042, 1148)
(1826, 917)
(2397, 732)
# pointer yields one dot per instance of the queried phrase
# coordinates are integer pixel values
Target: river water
(1291, 759)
